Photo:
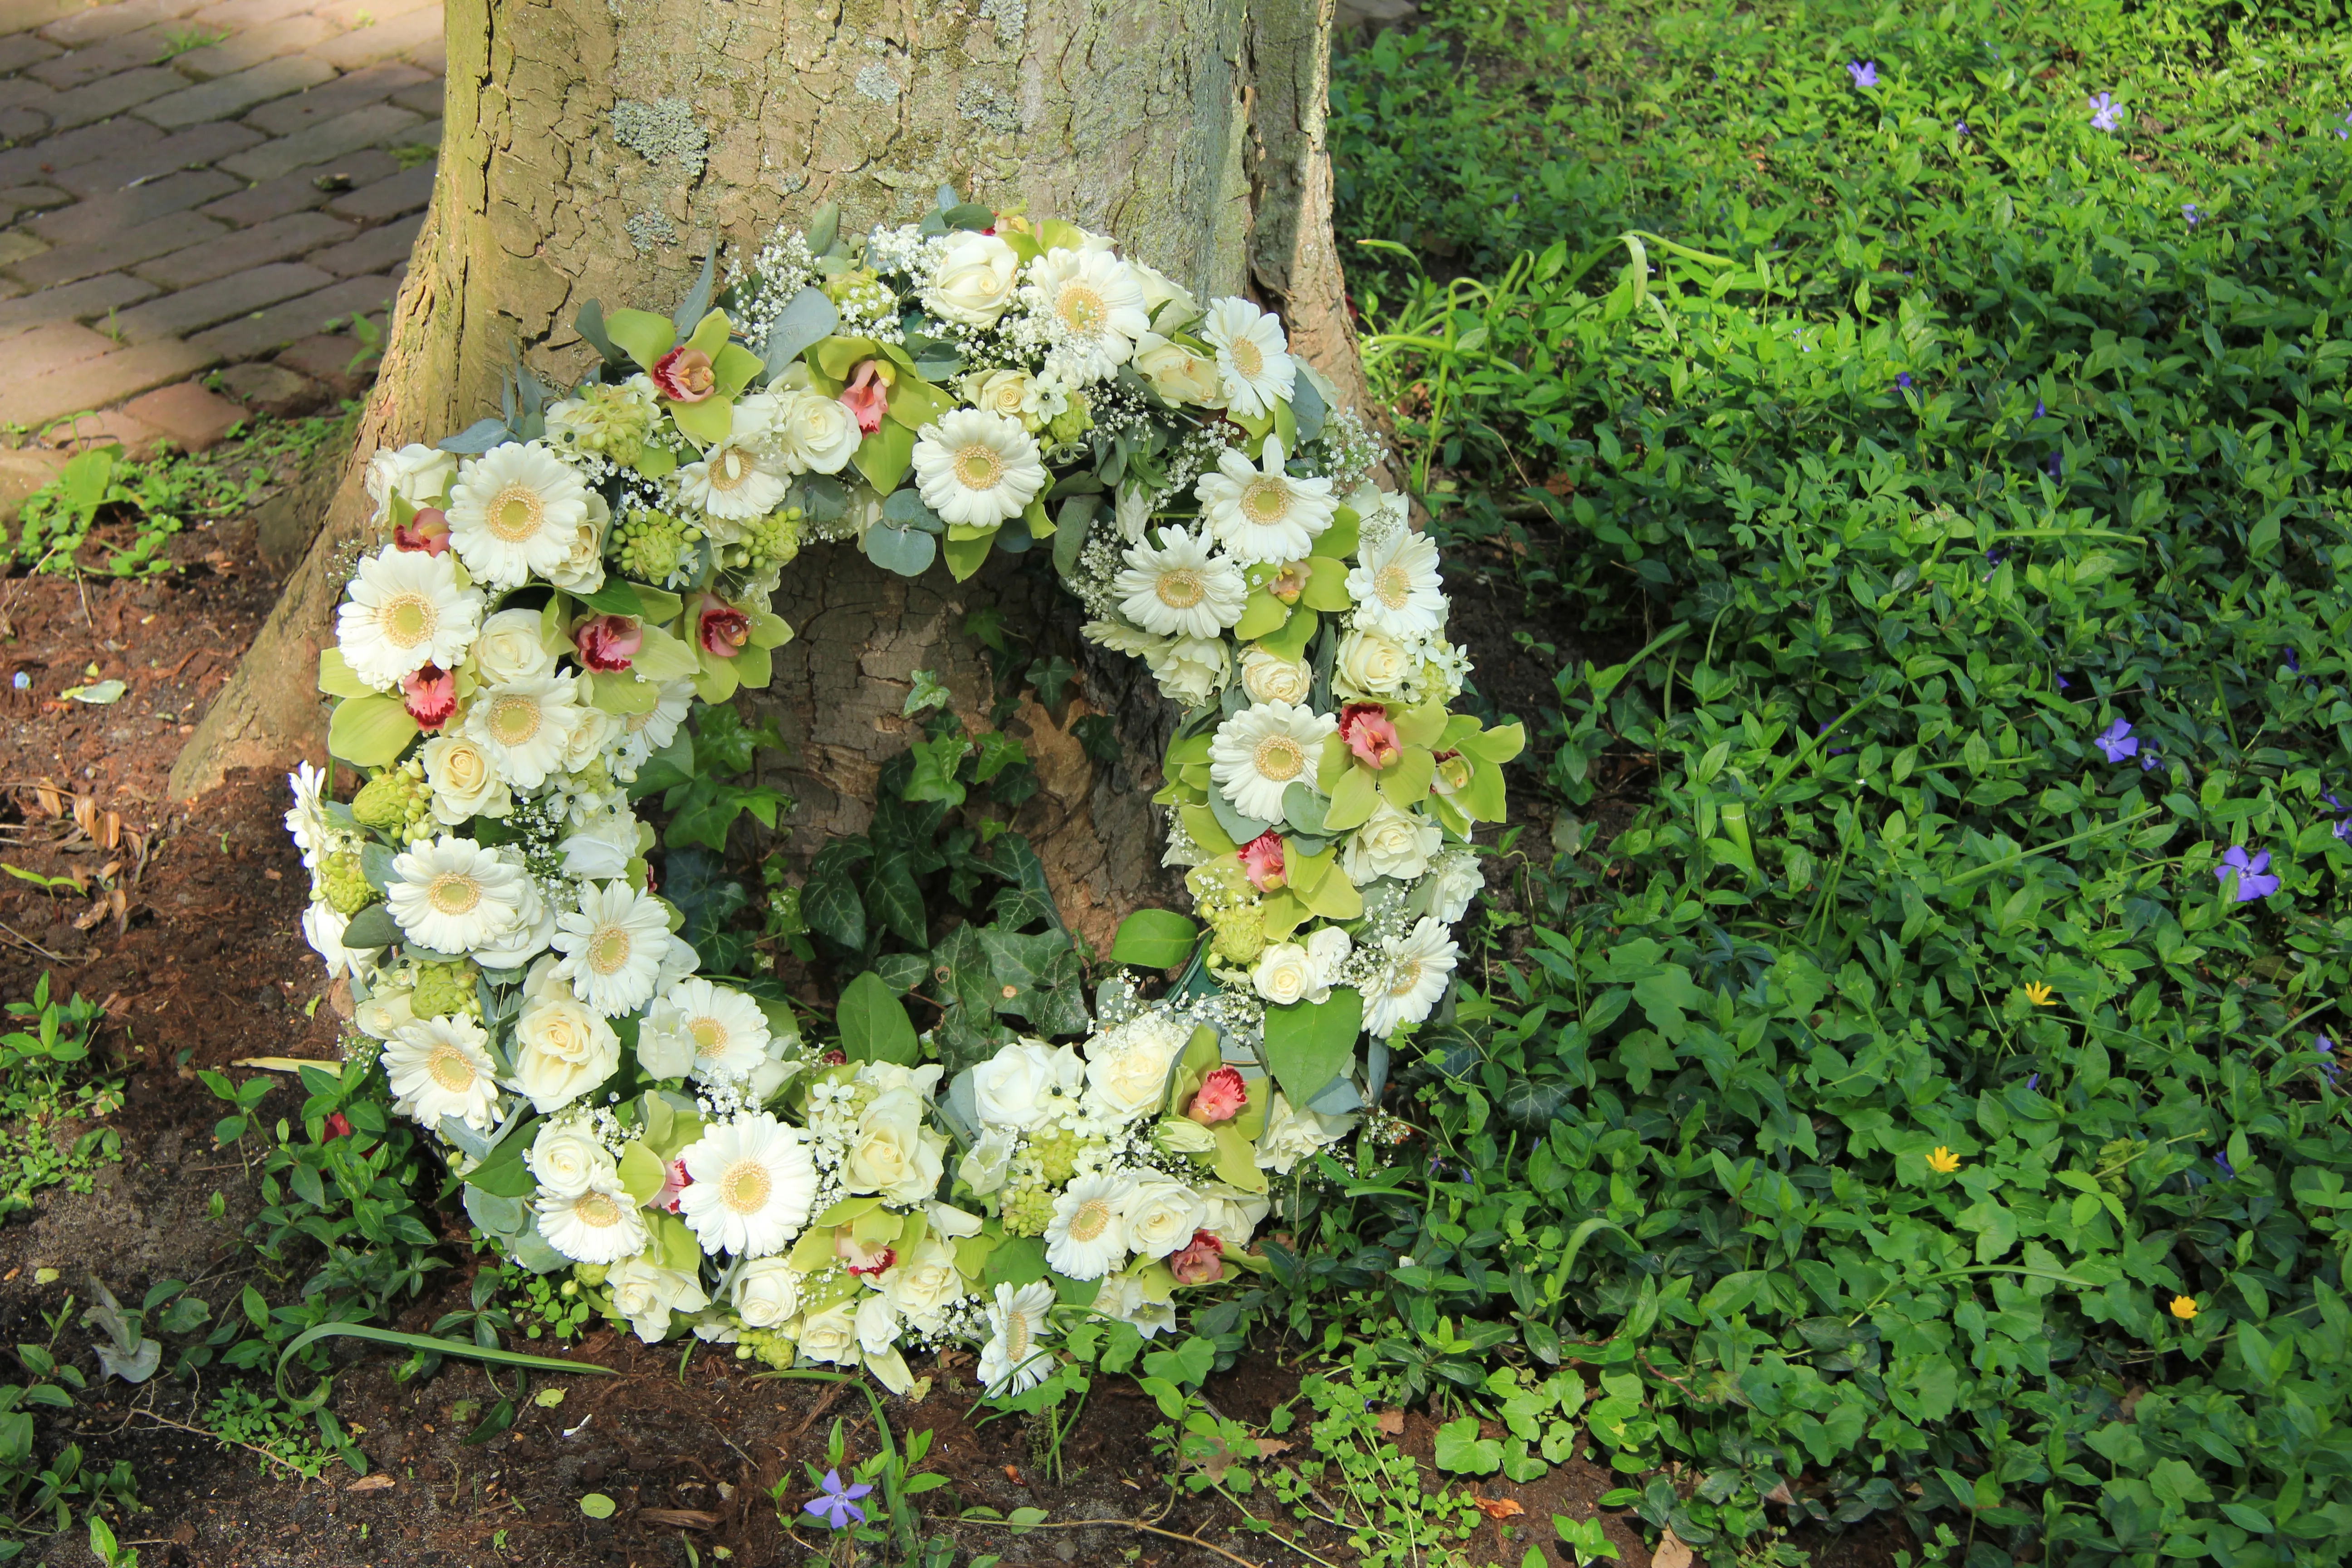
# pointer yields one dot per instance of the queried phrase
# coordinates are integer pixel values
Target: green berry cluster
(768, 1346)
(1071, 423)
(1222, 896)
(771, 541)
(1026, 1210)
(443, 989)
(613, 420)
(651, 545)
(1055, 1152)
(397, 804)
(343, 883)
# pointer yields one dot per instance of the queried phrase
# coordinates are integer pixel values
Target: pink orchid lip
(721, 628)
(430, 695)
(1221, 1098)
(428, 531)
(608, 642)
(1370, 734)
(683, 376)
(866, 397)
(1261, 862)
(674, 1180)
(1202, 1261)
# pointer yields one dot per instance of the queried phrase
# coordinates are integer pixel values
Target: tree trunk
(597, 148)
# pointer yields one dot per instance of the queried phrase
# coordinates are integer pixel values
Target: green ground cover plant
(1919, 1090)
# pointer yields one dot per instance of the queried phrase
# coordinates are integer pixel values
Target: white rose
(595, 730)
(1016, 1087)
(562, 1051)
(420, 475)
(1190, 669)
(1126, 1069)
(322, 928)
(1162, 1215)
(1390, 843)
(1160, 290)
(817, 434)
(647, 1293)
(526, 939)
(1286, 974)
(973, 281)
(1270, 678)
(1460, 879)
(465, 786)
(830, 1335)
(1370, 664)
(924, 1282)
(582, 570)
(1006, 391)
(767, 1292)
(1291, 1135)
(509, 648)
(603, 850)
(382, 1014)
(1177, 373)
(1328, 948)
(892, 1152)
(1123, 1298)
(567, 1160)
(1233, 1214)
(984, 1166)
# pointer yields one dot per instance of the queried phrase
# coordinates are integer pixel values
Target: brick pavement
(188, 186)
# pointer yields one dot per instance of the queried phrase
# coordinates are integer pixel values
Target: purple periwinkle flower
(2326, 1047)
(837, 1504)
(2293, 663)
(2117, 741)
(1865, 72)
(2254, 881)
(1961, 127)
(2229, 1171)
(2330, 797)
(1903, 380)
(2149, 760)
(2103, 112)
(2057, 466)
(2064, 683)
(2344, 830)
(2189, 211)
(2039, 411)
(2342, 133)
(2033, 1080)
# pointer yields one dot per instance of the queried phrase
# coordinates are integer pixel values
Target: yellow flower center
(597, 1209)
(1181, 588)
(1393, 585)
(608, 950)
(979, 466)
(1091, 1220)
(1081, 309)
(453, 893)
(1249, 360)
(515, 514)
(1280, 757)
(450, 1068)
(729, 469)
(513, 720)
(1266, 498)
(709, 1037)
(745, 1186)
(408, 620)
(1016, 1337)
(1406, 978)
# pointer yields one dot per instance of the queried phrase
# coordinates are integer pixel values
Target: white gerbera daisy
(307, 822)
(1180, 589)
(1412, 973)
(515, 512)
(614, 945)
(1254, 359)
(1010, 1362)
(750, 1183)
(598, 1224)
(439, 1066)
(977, 468)
(734, 481)
(525, 726)
(1087, 1238)
(405, 611)
(1262, 513)
(454, 895)
(1397, 589)
(322, 928)
(1090, 305)
(1265, 749)
(720, 1029)
(1120, 637)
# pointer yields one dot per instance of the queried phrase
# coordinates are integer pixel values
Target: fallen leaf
(100, 694)
(1672, 1552)
(1391, 1422)
(1780, 1494)
(1013, 1474)
(1267, 1447)
(379, 1482)
(1499, 1508)
(679, 1518)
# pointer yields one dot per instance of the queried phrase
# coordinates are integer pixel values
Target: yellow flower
(2184, 1308)
(1943, 1160)
(2038, 995)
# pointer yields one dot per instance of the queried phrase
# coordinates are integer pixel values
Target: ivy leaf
(830, 905)
(893, 901)
(933, 776)
(874, 1024)
(1051, 676)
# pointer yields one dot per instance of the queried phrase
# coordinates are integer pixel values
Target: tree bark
(596, 149)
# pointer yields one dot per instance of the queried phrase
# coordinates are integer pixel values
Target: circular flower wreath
(558, 586)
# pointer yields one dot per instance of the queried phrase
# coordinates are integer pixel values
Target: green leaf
(873, 1022)
(370, 731)
(1154, 938)
(1308, 1043)
(596, 1505)
(642, 335)
(1461, 1451)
